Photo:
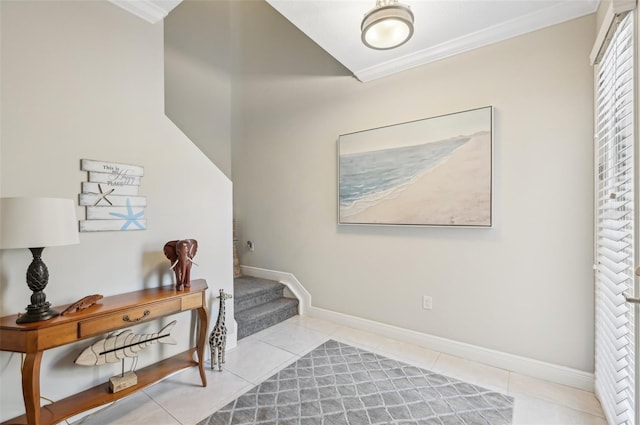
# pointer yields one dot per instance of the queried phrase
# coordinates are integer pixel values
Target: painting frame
(433, 172)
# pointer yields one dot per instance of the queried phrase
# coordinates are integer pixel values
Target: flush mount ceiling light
(388, 25)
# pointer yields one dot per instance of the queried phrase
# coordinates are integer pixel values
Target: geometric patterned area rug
(337, 384)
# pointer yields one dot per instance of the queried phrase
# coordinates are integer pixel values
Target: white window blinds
(615, 363)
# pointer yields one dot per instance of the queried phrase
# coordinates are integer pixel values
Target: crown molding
(534, 21)
(151, 11)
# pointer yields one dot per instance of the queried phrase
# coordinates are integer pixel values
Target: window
(615, 214)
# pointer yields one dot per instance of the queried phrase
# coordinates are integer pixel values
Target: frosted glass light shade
(388, 25)
(37, 222)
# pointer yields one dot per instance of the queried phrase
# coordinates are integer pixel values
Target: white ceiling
(443, 28)
(151, 11)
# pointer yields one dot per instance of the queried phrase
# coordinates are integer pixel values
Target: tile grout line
(160, 405)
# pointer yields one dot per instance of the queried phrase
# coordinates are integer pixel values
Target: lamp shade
(37, 222)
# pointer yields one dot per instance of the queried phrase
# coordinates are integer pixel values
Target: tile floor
(180, 400)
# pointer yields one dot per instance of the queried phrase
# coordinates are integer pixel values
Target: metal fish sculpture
(114, 348)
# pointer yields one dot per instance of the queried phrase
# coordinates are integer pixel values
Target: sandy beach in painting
(456, 191)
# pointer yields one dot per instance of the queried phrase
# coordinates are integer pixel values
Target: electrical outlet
(427, 302)
(251, 246)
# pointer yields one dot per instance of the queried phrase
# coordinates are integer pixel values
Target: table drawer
(192, 301)
(127, 317)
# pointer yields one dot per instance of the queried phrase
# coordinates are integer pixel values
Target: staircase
(259, 304)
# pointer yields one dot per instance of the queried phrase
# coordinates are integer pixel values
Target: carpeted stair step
(251, 291)
(262, 316)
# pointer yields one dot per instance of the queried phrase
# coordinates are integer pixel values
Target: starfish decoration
(130, 217)
(103, 195)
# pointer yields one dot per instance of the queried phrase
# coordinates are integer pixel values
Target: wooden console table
(109, 314)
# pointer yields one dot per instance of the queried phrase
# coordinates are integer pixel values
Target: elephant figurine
(181, 253)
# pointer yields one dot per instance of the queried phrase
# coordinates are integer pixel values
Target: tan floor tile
(555, 393)
(189, 402)
(533, 411)
(475, 373)
(255, 360)
(408, 353)
(137, 409)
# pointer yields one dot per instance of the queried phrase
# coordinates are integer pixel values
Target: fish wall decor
(114, 347)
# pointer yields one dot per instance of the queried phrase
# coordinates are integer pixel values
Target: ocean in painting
(366, 178)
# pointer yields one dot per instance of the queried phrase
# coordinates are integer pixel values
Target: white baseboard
(511, 362)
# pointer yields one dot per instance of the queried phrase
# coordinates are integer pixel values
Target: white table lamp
(36, 223)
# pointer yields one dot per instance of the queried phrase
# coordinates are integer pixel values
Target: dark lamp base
(37, 314)
(37, 279)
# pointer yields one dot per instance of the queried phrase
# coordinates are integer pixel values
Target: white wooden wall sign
(110, 196)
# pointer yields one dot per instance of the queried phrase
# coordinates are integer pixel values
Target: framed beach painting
(431, 172)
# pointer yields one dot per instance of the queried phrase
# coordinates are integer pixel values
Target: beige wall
(85, 80)
(197, 77)
(524, 287)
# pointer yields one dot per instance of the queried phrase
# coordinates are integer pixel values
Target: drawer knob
(126, 317)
